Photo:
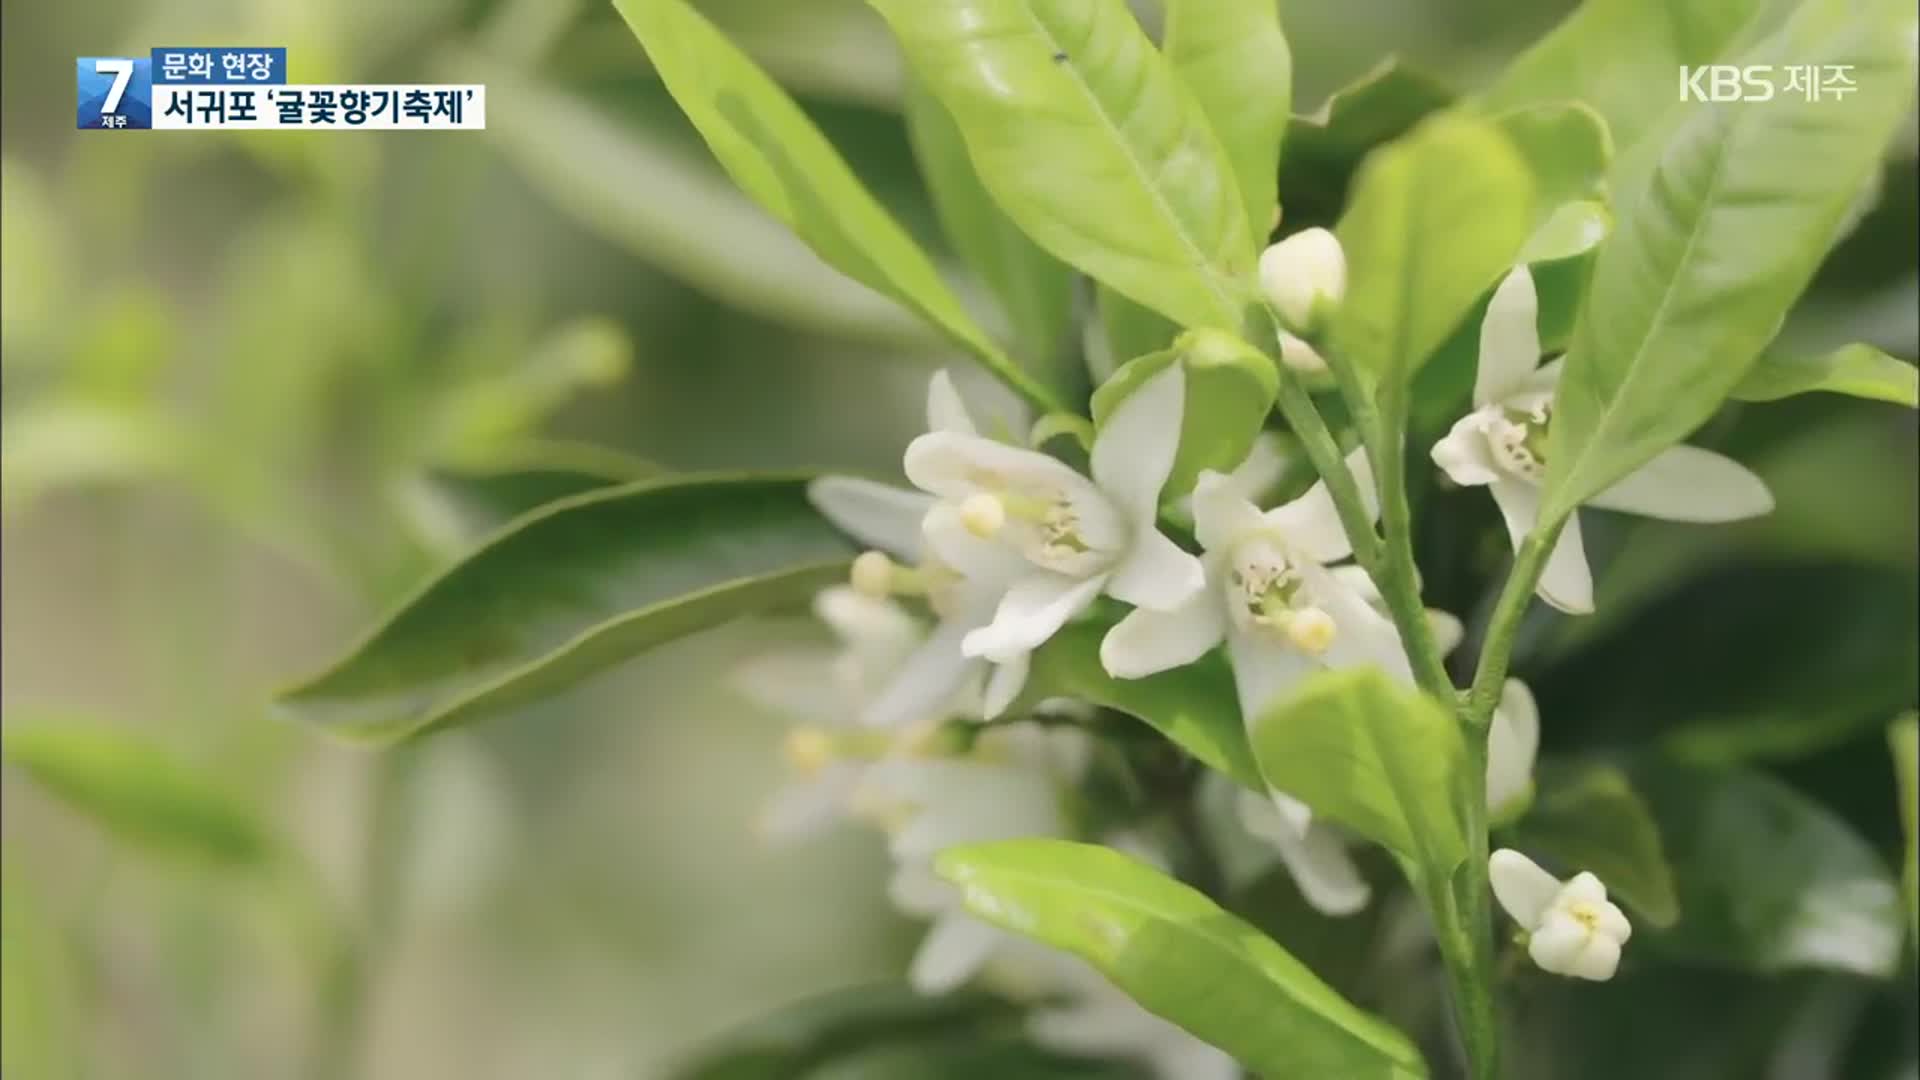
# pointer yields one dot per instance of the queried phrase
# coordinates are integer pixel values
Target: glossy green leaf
(1325, 147)
(1033, 288)
(470, 499)
(1860, 371)
(1723, 220)
(1088, 140)
(1769, 880)
(1588, 817)
(1571, 230)
(1623, 58)
(1178, 954)
(649, 196)
(1230, 390)
(776, 154)
(572, 589)
(1380, 759)
(139, 793)
(1903, 738)
(1234, 58)
(1132, 330)
(1435, 219)
(1194, 706)
(1565, 145)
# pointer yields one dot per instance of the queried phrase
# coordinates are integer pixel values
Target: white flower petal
(1566, 583)
(1265, 464)
(916, 890)
(1448, 630)
(946, 411)
(878, 633)
(1513, 741)
(1355, 578)
(1149, 641)
(1583, 887)
(1033, 608)
(955, 947)
(982, 562)
(1008, 679)
(808, 806)
(1463, 454)
(795, 682)
(1524, 889)
(1264, 670)
(1558, 943)
(1155, 573)
(1363, 636)
(1613, 923)
(1509, 339)
(928, 682)
(1311, 523)
(878, 515)
(1598, 961)
(1316, 858)
(1134, 450)
(1686, 483)
(1221, 512)
(953, 466)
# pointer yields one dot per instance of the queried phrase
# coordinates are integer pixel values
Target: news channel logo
(201, 88)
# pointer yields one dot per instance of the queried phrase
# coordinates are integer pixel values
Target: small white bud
(1300, 356)
(1571, 927)
(983, 515)
(1303, 276)
(1311, 630)
(873, 574)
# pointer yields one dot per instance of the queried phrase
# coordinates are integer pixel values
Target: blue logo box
(114, 92)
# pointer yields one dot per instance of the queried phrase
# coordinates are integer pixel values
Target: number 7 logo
(121, 69)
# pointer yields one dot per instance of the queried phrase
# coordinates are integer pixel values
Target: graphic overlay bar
(420, 107)
(114, 93)
(214, 66)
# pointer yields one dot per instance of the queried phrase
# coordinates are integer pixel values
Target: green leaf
(1034, 289)
(485, 494)
(1723, 220)
(1573, 229)
(1435, 219)
(1086, 138)
(1903, 737)
(1566, 146)
(816, 1030)
(1178, 954)
(1230, 389)
(1380, 759)
(1194, 706)
(1856, 370)
(1132, 331)
(1588, 817)
(662, 203)
(1325, 148)
(139, 793)
(776, 155)
(1622, 57)
(572, 589)
(1768, 880)
(1234, 58)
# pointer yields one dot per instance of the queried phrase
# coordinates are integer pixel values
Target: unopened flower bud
(983, 515)
(1311, 630)
(873, 574)
(1300, 356)
(1304, 276)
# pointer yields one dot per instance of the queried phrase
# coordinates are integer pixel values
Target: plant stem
(1491, 675)
(1463, 925)
(1397, 574)
(1296, 405)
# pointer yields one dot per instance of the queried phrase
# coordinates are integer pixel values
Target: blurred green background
(247, 376)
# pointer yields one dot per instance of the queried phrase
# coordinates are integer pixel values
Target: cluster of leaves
(1670, 240)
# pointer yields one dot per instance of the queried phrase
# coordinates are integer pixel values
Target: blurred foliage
(256, 387)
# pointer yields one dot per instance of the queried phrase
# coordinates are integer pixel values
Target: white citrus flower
(1571, 927)
(1304, 277)
(1077, 537)
(1314, 852)
(1268, 595)
(1097, 1019)
(827, 690)
(921, 548)
(1012, 784)
(1502, 445)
